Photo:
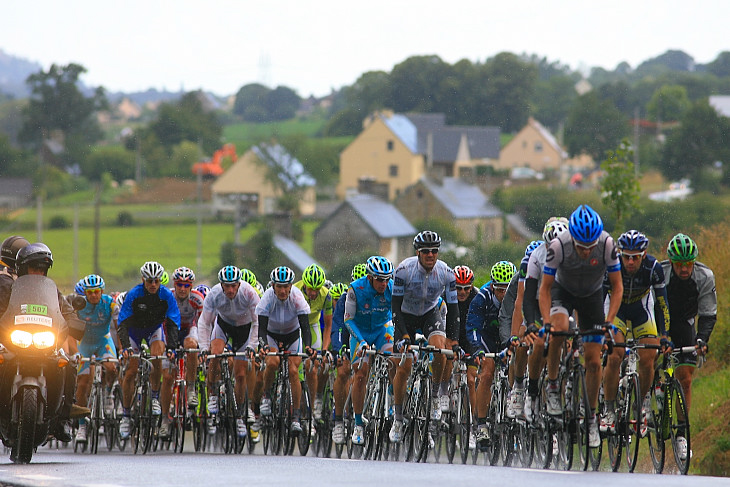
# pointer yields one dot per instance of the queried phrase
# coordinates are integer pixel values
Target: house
(259, 178)
(721, 104)
(396, 150)
(292, 255)
(15, 192)
(534, 147)
(364, 224)
(456, 201)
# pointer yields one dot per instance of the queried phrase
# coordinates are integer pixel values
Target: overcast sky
(314, 46)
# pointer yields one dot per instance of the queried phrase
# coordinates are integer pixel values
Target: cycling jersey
(237, 312)
(482, 322)
(690, 299)
(463, 313)
(581, 277)
(420, 289)
(190, 309)
(97, 340)
(366, 311)
(507, 309)
(322, 304)
(147, 312)
(530, 300)
(339, 335)
(283, 316)
(522, 269)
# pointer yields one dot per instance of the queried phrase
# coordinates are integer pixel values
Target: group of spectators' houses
(401, 169)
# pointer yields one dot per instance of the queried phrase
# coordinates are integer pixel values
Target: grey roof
(483, 141)
(288, 168)
(404, 129)
(383, 218)
(721, 104)
(518, 225)
(293, 252)
(461, 199)
(16, 187)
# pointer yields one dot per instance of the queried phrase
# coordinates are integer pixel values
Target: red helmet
(464, 275)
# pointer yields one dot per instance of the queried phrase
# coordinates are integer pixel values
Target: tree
(187, 120)
(552, 99)
(415, 82)
(57, 104)
(620, 187)
(250, 102)
(116, 161)
(668, 103)
(720, 67)
(508, 90)
(13, 162)
(282, 103)
(594, 126)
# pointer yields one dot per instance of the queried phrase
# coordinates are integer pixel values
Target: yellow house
(536, 148)
(249, 181)
(394, 151)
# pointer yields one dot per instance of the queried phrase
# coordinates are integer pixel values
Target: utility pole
(636, 141)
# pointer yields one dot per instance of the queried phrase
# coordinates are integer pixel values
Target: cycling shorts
(236, 335)
(191, 332)
(382, 340)
(151, 334)
(290, 341)
(102, 349)
(636, 319)
(683, 334)
(589, 308)
(428, 324)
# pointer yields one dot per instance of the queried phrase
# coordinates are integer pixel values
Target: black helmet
(36, 253)
(427, 240)
(10, 248)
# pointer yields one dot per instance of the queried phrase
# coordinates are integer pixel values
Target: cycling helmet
(259, 289)
(93, 281)
(338, 290)
(464, 275)
(378, 266)
(248, 276)
(152, 270)
(9, 249)
(502, 272)
(202, 289)
(360, 270)
(165, 279)
(427, 240)
(313, 276)
(183, 274)
(37, 254)
(553, 228)
(682, 249)
(120, 298)
(328, 284)
(229, 274)
(79, 288)
(282, 275)
(585, 225)
(633, 240)
(532, 246)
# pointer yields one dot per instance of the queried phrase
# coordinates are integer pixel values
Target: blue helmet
(229, 274)
(532, 246)
(585, 225)
(633, 240)
(202, 289)
(282, 275)
(79, 288)
(93, 281)
(378, 266)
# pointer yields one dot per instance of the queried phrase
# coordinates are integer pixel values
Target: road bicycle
(100, 421)
(229, 411)
(457, 420)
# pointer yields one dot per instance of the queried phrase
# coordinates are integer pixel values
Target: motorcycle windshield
(33, 305)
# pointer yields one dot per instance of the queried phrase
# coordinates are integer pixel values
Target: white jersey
(536, 263)
(239, 311)
(420, 289)
(283, 315)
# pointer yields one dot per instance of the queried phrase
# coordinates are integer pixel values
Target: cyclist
(340, 341)
(369, 319)
(482, 331)
(531, 311)
(229, 313)
(97, 315)
(419, 283)
(511, 325)
(190, 304)
(319, 299)
(283, 317)
(149, 313)
(8, 250)
(641, 274)
(573, 281)
(692, 302)
(248, 276)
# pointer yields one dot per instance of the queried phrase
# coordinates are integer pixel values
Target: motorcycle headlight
(21, 338)
(44, 339)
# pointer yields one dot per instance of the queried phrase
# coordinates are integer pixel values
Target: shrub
(58, 222)
(125, 219)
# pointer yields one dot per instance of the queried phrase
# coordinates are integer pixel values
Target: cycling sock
(319, 396)
(610, 405)
(155, 394)
(435, 389)
(338, 419)
(533, 387)
(444, 388)
(295, 414)
(519, 382)
(358, 419)
(398, 412)
(126, 412)
(481, 421)
(553, 384)
(82, 421)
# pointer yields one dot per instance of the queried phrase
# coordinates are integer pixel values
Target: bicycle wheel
(421, 422)
(494, 446)
(679, 424)
(524, 443)
(304, 438)
(563, 430)
(581, 417)
(655, 430)
(147, 423)
(94, 422)
(540, 428)
(200, 415)
(326, 424)
(632, 422)
(180, 407)
(348, 417)
(116, 418)
(464, 422)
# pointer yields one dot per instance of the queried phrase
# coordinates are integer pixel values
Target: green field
(246, 134)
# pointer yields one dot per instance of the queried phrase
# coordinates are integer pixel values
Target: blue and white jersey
(97, 319)
(283, 315)
(420, 289)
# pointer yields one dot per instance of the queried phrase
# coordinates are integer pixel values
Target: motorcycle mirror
(78, 303)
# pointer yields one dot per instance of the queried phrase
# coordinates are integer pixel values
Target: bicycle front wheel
(632, 422)
(305, 437)
(679, 426)
(655, 429)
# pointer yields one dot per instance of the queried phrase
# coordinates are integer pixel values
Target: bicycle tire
(564, 430)
(94, 422)
(452, 426)
(581, 414)
(465, 422)
(540, 428)
(494, 445)
(305, 419)
(678, 405)
(324, 432)
(632, 422)
(348, 418)
(655, 428)
(180, 417)
(117, 417)
(421, 422)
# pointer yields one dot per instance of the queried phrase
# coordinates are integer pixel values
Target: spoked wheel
(180, 417)
(494, 447)
(581, 410)
(266, 436)
(304, 438)
(421, 423)
(565, 430)
(540, 429)
(464, 422)
(348, 417)
(632, 423)
(679, 427)
(655, 429)
(524, 443)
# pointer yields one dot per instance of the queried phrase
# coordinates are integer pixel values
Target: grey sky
(312, 47)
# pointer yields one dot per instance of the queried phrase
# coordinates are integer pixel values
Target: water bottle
(659, 394)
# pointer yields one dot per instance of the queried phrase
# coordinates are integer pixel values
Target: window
(390, 145)
(393, 171)
(538, 146)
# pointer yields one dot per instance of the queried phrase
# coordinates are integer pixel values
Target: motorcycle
(32, 363)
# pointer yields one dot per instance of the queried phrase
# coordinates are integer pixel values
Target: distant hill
(13, 73)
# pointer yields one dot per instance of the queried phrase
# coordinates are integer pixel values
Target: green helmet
(249, 277)
(338, 290)
(502, 272)
(313, 276)
(165, 279)
(360, 270)
(682, 248)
